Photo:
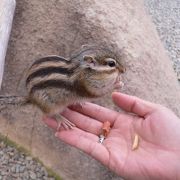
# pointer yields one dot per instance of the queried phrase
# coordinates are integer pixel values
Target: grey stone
(29, 158)
(17, 168)
(32, 175)
(13, 169)
(21, 169)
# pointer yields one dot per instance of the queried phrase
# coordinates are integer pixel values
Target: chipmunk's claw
(66, 124)
(63, 122)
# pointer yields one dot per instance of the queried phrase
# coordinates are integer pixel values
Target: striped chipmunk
(54, 82)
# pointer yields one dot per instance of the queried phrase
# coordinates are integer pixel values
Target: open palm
(158, 154)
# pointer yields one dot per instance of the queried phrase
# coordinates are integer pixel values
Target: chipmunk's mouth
(118, 83)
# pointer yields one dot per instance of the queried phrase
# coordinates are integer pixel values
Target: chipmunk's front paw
(62, 122)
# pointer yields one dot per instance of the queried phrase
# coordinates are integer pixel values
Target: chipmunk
(54, 82)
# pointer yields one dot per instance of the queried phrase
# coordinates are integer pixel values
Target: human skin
(158, 128)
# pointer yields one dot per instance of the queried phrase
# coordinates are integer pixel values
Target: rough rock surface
(59, 27)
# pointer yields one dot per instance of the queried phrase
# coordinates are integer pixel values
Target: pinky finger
(86, 142)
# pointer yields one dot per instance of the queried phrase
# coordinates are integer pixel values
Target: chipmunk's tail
(13, 100)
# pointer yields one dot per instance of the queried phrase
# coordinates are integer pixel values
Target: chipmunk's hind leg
(62, 122)
(49, 105)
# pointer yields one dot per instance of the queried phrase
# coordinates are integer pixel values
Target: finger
(50, 122)
(86, 123)
(83, 122)
(85, 142)
(95, 111)
(71, 133)
(53, 124)
(133, 104)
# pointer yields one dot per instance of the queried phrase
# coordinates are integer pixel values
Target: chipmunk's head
(101, 72)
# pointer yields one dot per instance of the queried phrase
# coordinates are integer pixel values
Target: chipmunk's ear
(89, 60)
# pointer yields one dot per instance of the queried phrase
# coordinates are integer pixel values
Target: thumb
(133, 104)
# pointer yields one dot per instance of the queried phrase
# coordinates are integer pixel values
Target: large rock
(59, 27)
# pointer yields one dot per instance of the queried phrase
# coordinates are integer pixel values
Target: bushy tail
(13, 100)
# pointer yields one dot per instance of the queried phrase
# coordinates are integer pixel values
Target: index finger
(133, 104)
(97, 112)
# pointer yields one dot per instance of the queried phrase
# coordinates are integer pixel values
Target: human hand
(158, 154)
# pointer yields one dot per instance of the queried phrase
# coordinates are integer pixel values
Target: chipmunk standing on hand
(54, 82)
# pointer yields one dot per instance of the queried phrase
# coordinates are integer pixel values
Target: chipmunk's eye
(111, 62)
